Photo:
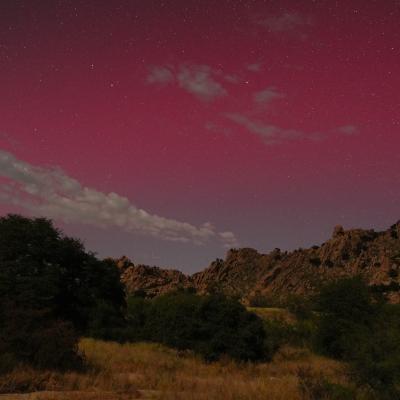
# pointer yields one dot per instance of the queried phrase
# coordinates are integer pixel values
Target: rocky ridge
(246, 273)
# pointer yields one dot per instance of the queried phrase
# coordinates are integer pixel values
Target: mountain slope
(246, 272)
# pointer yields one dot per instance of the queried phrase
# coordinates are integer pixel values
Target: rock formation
(246, 272)
(152, 281)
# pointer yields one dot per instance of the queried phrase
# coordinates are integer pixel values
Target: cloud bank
(53, 194)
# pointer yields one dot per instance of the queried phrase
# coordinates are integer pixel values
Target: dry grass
(143, 370)
(280, 314)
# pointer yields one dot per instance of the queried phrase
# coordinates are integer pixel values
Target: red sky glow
(212, 124)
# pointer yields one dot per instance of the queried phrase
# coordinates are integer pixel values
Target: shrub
(106, 322)
(358, 328)
(348, 299)
(298, 334)
(300, 306)
(31, 336)
(209, 325)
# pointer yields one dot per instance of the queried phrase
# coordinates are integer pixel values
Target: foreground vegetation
(52, 292)
(143, 370)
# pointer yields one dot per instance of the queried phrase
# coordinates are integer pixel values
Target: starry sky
(170, 131)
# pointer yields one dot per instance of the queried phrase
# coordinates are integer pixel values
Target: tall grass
(142, 370)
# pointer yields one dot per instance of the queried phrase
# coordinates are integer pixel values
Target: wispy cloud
(256, 67)
(231, 78)
(267, 95)
(287, 21)
(214, 127)
(269, 133)
(348, 129)
(229, 239)
(272, 134)
(198, 80)
(160, 75)
(51, 193)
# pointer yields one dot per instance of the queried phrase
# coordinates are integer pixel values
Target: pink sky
(270, 122)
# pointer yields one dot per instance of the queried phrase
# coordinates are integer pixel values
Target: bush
(106, 323)
(377, 359)
(209, 325)
(349, 299)
(300, 306)
(32, 337)
(278, 333)
(358, 328)
(347, 314)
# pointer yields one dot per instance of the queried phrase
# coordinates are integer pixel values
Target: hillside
(246, 272)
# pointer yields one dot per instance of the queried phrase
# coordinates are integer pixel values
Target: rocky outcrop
(237, 275)
(152, 281)
(246, 272)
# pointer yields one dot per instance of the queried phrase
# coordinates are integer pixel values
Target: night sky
(170, 131)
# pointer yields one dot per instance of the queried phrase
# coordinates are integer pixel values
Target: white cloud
(272, 134)
(51, 193)
(348, 130)
(256, 67)
(229, 239)
(267, 95)
(160, 75)
(231, 78)
(198, 80)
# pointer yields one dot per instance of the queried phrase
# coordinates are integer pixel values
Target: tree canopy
(49, 283)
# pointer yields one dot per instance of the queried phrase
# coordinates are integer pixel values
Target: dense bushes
(209, 325)
(347, 313)
(50, 290)
(32, 336)
(355, 326)
(350, 321)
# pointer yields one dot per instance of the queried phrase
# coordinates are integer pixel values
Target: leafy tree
(50, 287)
(42, 267)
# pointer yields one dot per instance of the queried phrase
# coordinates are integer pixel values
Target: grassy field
(151, 371)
